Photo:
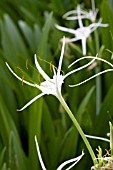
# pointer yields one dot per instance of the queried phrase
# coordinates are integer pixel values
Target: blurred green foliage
(26, 28)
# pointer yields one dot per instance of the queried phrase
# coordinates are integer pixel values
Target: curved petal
(96, 137)
(83, 45)
(68, 14)
(41, 71)
(79, 16)
(76, 17)
(39, 155)
(61, 57)
(75, 160)
(80, 68)
(26, 82)
(72, 31)
(94, 26)
(102, 72)
(31, 101)
(91, 57)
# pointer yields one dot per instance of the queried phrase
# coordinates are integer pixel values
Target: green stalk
(67, 109)
(111, 138)
(98, 91)
(98, 78)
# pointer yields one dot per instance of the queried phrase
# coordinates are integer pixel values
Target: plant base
(106, 167)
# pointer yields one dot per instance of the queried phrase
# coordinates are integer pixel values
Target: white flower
(73, 14)
(53, 85)
(50, 85)
(81, 33)
(74, 161)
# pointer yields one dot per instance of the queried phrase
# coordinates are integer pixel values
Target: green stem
(67, 109)
(98, 78)
(111, 138)
(98, 91)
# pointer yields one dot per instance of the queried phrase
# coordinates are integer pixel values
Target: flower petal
(75, 12)
(61, 57)
(39, 155)
(102, 72)
(80, 68)
(75, 160)
(94, 26)
(31, 101)
(65, 29)
(84, 46)
(91, 57)
(97, 58)
(26, 82)
(79, 16)
(96, 137)
(41, 71)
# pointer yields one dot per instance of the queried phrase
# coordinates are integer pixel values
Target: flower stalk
(111, 138)
(75, 122)
(98, 78)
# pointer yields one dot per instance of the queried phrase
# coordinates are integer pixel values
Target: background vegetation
(27, 27)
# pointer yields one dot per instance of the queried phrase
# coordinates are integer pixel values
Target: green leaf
(32, 35)
(4, 167)
(11, 40)
(43, 46)
(58, 7)
(107, 17)
(27, 13)
(16, 158)
(83, 104)
(50, 145)
(69, 145)
(35, 118)
(6, 123)
(105, 115)
(2, 154)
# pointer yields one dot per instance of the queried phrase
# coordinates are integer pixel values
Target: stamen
(26, 82)
(50, 63)
(40, 58)
(22, 80)
(51, 66)
(27, 63)
(19, 69)
(39, 77)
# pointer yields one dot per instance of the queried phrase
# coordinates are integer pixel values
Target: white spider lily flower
(74, 161)
(53, 85)
(50, 85)
(73, 14)
(81, 33)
